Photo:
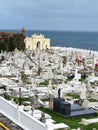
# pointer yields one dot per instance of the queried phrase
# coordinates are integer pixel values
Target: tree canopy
(9, 41)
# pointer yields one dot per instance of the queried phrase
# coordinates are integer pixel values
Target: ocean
(82, 40)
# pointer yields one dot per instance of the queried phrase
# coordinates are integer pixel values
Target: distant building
(37, 42)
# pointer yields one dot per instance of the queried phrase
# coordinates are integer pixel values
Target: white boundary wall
(20, 117)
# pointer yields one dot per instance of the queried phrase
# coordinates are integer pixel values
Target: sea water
(82, 40)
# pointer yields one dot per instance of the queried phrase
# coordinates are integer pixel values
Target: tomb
(66, 109)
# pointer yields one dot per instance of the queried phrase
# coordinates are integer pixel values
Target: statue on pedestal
(43, 119)
(59, 92)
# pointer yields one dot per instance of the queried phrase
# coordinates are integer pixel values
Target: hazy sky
(79, 15)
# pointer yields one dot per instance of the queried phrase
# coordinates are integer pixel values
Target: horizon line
(84, 31)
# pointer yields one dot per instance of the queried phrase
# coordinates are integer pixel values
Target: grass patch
(75, 96)
(48, 65)
(92, 100)
(44, 83)
(68, 79)
(82, 79)
(45, 99)
(21, 100)
(72, 122)
(6, 96)
(59, 80)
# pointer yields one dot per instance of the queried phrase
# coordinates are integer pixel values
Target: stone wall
(21, 118)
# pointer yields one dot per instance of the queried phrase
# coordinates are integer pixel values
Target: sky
(63, 15)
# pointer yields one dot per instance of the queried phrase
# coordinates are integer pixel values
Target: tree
(24, 32)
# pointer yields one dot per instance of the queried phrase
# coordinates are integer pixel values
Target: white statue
(83, 92)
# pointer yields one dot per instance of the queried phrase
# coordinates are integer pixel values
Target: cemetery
(37, 84)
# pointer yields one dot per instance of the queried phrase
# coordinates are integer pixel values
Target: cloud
(45, 13)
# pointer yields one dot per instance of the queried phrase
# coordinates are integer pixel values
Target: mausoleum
(37, 42)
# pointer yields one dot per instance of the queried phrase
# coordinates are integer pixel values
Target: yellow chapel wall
(31, 43)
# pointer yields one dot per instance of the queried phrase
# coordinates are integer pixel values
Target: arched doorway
(46, 47)
(38, 45)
